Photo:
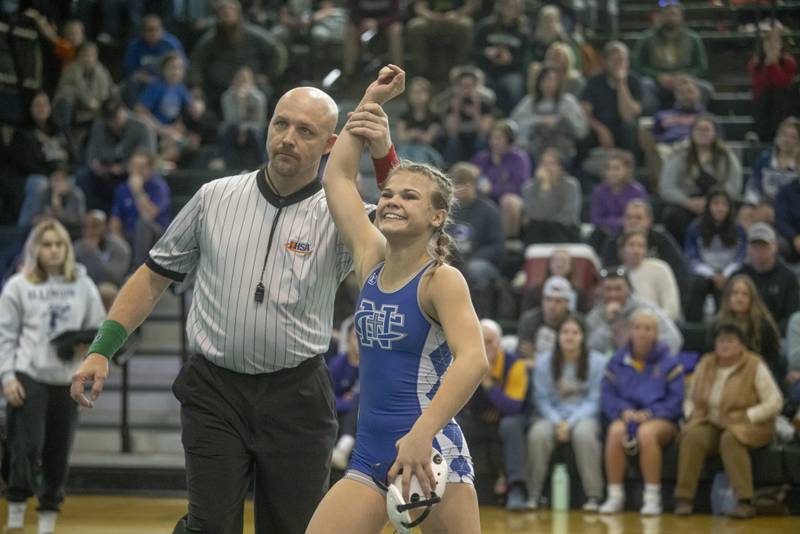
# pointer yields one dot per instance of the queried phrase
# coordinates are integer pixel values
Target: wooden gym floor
(84, 514)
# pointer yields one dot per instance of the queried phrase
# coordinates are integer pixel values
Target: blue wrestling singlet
(404, 357)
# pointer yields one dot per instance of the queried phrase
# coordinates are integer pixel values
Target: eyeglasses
(613, 272)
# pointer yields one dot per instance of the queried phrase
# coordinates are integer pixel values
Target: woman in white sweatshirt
(650, 278)
(51, 296)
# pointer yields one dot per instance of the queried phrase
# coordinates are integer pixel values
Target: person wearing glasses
(609, 321)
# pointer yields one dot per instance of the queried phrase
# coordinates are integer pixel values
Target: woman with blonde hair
(549, 29)
(742, 305)
(561, 56)
(41, 308)
(642, 391)
(421, 354)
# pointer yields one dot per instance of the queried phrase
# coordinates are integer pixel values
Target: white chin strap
(400, 511)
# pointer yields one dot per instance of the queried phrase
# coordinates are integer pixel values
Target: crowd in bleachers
(602, 216)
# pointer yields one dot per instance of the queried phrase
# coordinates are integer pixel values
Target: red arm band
(384, 165)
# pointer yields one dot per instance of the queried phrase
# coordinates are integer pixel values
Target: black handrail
(125, 427)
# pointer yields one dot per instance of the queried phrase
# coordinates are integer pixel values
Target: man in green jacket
(666, 51)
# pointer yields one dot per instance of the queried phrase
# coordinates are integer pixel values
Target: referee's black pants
(279, 428)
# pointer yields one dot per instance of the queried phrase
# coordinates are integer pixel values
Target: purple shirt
(608, 207)
(508, 177)
(124, 206)
(674, 125)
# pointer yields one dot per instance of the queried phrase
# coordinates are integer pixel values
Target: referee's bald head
(312, 99)
(301, 131)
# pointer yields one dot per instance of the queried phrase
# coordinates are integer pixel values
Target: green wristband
(110, 337)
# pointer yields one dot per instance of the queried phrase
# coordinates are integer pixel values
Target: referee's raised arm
(135, 301)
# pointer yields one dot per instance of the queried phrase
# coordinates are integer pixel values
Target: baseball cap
(761, 232)
(558, 287)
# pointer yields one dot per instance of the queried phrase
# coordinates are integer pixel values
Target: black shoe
(683, 507)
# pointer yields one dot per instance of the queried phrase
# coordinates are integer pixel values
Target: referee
(255, 399)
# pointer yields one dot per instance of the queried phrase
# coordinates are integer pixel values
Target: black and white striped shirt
(224, 233)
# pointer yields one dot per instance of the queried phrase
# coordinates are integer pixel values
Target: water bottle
(559, 491)
(709, 307)
(723, 499)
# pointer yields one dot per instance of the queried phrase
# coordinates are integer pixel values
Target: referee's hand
(94, 369)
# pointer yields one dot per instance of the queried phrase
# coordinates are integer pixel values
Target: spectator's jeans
(144, 237)
(33, 185)
(677, 219)
(481, 436)
(112, 13)
(656, 98)
(98, 189)
(448, 41)
(585, 441)
(512, 435)
(462, 146)
(510, 88)
(787, 250)
(130, 90)
(347, 422)
(769, 110)
(249, 155)
(420, 153)
(699, 287)
(794, 396)
(482, 275)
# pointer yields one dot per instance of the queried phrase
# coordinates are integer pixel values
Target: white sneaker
(591, 506)
(532, 503)
(613, 505)
(341, 452)
(651, 507)
(339, 459)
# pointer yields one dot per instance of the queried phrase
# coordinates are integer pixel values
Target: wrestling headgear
(399, 510)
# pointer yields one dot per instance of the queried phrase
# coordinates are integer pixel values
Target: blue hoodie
(140, 55)
(657, 388)
(568, 400)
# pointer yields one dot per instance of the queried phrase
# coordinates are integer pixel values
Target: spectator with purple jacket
(610, 198)
(675, 124)
(344, 375)
(496, 408)
(642, 394)
(507, 169)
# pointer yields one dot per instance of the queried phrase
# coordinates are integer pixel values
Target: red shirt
(776, 76)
